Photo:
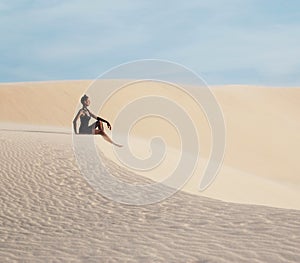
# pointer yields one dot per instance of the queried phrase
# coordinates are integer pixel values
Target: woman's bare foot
(106, 137)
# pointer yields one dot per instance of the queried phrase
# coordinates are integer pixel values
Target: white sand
(263, 138)
(49, 212)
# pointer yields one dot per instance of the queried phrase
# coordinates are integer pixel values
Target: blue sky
(224, 41)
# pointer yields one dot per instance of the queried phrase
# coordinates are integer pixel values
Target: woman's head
(85, 100)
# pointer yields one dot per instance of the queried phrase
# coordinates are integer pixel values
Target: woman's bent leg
(105, 137)
(99, 125)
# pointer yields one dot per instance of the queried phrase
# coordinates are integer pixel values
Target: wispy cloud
(80, 39)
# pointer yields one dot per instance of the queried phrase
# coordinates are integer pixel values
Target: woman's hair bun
(83, 98)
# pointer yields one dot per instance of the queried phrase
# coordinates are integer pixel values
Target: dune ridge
(262, 137)
(49, 212)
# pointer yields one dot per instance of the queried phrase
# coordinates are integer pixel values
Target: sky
(223, 41)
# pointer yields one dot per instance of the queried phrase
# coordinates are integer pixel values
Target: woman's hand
(108, 125)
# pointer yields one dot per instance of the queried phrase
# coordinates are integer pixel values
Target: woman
(85, 115)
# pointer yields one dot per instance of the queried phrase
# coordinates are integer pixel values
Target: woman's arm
(96, 117)
(107, 123)
(75, 121)
(92, 114)
(100, 119)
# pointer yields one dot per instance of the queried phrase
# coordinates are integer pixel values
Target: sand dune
(263, 139)
(50, 213)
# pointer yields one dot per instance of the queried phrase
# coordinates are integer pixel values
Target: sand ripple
(50, 213)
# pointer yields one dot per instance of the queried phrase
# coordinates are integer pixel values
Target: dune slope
(262, 136)
(50, 213)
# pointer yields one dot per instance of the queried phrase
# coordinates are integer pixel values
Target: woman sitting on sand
(85, 115)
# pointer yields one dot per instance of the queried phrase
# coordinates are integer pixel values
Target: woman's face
(87, 102)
